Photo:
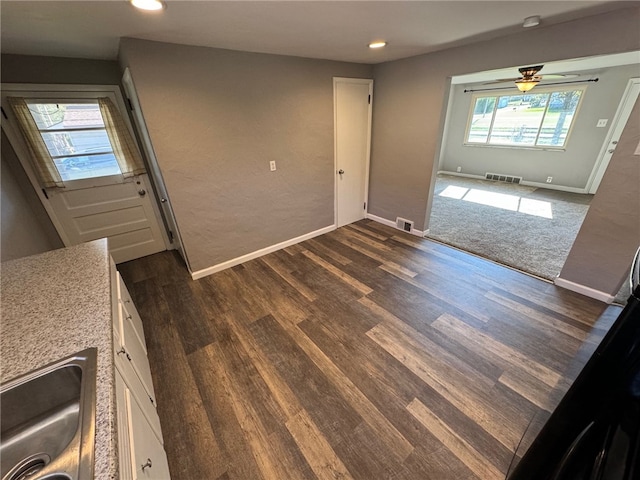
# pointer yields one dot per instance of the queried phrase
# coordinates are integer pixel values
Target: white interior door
(352, 110)
(617, 126)
(97, 201)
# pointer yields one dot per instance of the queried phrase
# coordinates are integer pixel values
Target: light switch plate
(272, 165)
(602, 122)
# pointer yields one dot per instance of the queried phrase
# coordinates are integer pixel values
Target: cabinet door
(131, 311)
(124, 447)
(136, 352)
(148, 458)
(133, 384)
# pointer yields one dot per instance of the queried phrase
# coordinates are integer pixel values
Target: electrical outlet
(272, 165)
(459, 169)
(549, 179)
(602, 122)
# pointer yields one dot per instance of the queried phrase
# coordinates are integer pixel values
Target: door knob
(340, 171)
(142, 192)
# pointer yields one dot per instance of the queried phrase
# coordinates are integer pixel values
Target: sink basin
(48, 421)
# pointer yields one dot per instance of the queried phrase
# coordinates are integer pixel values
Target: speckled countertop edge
(56, 304)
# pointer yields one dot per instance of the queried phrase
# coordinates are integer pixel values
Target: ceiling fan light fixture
(150, 5)
(524, 85)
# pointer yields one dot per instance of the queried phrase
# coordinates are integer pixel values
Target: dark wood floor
(365, 353)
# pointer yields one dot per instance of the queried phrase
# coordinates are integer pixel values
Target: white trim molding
(584, 290)
(526, 183)
(259, 253)
(392, 224)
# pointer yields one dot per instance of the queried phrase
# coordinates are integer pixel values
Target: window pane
(51, 116)
(517, 119)
(481, 120)
(87, 166)
(76, 142)
(560, 113)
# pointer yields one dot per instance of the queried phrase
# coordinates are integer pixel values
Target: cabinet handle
(148, 464)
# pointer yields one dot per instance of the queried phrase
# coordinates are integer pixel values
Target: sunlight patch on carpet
(514, 203)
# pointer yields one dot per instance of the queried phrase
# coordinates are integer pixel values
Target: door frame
(624, 107)
(155, 173)
(18, 144)
(365, 200)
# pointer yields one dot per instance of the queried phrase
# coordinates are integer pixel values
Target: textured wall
(216, 118)
(411, 98)
(38, 69)
(570, 167)
(610, 234)
(26, 228)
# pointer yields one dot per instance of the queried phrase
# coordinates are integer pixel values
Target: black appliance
(594, 433)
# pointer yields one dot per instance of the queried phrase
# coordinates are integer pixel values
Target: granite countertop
(56, 304)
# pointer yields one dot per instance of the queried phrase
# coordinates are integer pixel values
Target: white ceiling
(336, 30)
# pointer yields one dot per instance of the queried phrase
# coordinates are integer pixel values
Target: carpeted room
(529, 210)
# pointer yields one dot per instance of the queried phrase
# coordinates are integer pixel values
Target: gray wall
(58, 70)
(610, 233)
(216, 118)
(411, 97)
(26, 228)
(570, 167)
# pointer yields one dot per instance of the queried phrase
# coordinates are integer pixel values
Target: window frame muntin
(549, 90)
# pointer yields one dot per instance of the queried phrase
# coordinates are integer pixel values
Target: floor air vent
(404, 224)
(499, 177)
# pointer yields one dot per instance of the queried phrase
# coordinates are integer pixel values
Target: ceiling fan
(530, 78)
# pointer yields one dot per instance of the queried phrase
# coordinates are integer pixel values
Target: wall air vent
(404, 224)
(501, 177)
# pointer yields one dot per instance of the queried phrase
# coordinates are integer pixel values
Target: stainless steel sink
(48, 421)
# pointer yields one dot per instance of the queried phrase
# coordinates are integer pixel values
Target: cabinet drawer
(148, 458)
(146, 403)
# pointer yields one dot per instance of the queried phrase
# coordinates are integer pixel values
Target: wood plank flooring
(365, 353)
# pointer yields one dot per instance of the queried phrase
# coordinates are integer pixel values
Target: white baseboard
(392, 224)
(551, 186)
(465, 175)
(259, 253)
(526, 183)
(584, 290)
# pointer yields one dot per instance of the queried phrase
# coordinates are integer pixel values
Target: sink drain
(28, 467)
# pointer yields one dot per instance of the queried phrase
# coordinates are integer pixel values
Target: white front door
(352, 110)
(97, 201)
(121, 212)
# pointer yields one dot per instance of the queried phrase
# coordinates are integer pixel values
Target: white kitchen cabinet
(141, 451)
(148, 458)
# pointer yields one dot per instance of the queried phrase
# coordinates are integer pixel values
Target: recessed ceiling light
(377, 44)
(148, 4)
(533, 21)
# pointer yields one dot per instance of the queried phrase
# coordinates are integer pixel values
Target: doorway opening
(523, 205)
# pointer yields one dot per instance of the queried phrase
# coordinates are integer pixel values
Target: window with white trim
(540, 119)
(75, 135)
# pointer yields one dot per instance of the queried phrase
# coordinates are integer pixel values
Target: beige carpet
(530, 229)
(526, 228)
